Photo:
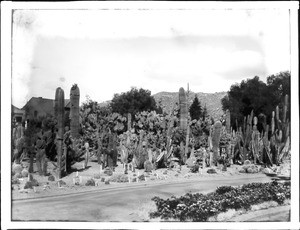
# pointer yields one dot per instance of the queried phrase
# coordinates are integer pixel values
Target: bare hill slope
(211, 100)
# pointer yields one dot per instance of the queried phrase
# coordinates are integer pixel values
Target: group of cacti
(270, 146)
(59, 112)
(247, 142)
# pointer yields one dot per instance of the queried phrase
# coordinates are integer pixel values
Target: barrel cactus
(74, 110)
(60, 110)
(183, 109)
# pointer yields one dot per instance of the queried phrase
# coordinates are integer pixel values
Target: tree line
(254, 94)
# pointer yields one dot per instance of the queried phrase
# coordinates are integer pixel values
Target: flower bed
(199, 207)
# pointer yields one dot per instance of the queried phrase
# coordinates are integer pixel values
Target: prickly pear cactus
(216, 135)
(255, 141)
(183, 109)
(74, 111)
(60, 111)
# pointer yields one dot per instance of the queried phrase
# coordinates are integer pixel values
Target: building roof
(16, 110)
(44, 104)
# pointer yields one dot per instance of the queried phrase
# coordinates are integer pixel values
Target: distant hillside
(211, 100)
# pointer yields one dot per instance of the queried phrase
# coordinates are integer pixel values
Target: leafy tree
(253, 94)
(133, 101)
(279, 85)
(196, 109)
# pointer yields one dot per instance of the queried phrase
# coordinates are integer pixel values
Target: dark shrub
(31, 184)
(195, 168)
(15, 181)
(224, 189)
(90, 182)
(51, 178)
(211, 171)
(141, 177)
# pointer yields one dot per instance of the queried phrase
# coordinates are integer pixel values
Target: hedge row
(199, 207)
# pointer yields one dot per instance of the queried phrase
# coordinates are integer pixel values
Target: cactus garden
(94, 146)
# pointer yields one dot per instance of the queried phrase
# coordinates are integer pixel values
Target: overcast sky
(109, 51)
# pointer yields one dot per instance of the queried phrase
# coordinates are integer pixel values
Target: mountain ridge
(169, 99)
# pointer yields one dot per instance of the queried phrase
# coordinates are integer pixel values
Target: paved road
(116, 204)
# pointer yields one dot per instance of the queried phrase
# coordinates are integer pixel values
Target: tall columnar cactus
(110, 149)
(280, 135)
(273, 123)
(169, 134)
(59, 108)
(255, 141)
(277, 114)
(285, 107)
(74, 111)
(187, 138)
(183, 109)
(266, 147)
(216, 135)
(228, 126)
(87, 154)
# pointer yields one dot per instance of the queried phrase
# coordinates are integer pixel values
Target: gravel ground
(48, 188)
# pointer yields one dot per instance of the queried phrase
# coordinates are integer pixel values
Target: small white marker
(77, 174)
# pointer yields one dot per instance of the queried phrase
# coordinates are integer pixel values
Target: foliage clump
(199, 207)
(133, 101)
(253, 94)
(30, 184)
(90, 182)
(119, 178)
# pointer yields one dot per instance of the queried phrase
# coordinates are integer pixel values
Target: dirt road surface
(125, 204)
